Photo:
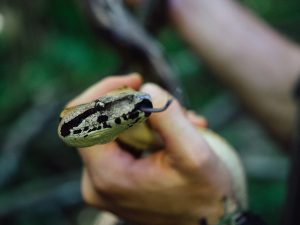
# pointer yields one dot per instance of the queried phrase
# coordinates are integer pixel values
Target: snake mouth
(147, 107)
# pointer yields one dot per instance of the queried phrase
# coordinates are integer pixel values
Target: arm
(258, 64)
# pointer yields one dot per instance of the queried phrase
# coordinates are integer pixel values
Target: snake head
(102, 120)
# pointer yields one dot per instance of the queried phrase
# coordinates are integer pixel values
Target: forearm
(258, 64)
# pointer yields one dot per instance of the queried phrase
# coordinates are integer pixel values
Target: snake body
(122, 114)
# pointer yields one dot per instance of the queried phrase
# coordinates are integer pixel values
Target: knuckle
(105, 185)
(101, 185)
(201, 159)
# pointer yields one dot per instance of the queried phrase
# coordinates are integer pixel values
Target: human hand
(184, 183)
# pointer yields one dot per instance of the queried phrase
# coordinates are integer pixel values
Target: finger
(107, 165)
(105, 154)
(133, 80)
(182, 140)
(196, 120)
(89, 193)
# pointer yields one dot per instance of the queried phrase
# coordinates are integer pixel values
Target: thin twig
(22, 133)
(137, 47)
(63, 191)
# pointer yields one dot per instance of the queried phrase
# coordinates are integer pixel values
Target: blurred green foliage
(49, 45)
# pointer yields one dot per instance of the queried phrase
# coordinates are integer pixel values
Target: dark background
(49, 54)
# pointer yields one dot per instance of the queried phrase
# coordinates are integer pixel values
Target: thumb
(182, 140)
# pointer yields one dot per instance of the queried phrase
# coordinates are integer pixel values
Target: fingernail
(134, 75)
(152, 89)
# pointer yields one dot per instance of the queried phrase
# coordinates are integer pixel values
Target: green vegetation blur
(49, 54)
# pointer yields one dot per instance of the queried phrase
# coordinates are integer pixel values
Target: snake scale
(121, 114)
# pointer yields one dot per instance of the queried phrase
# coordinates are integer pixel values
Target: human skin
(185, 182)
(182, 184)
(257, 63)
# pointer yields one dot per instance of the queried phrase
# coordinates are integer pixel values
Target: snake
(121, 115)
